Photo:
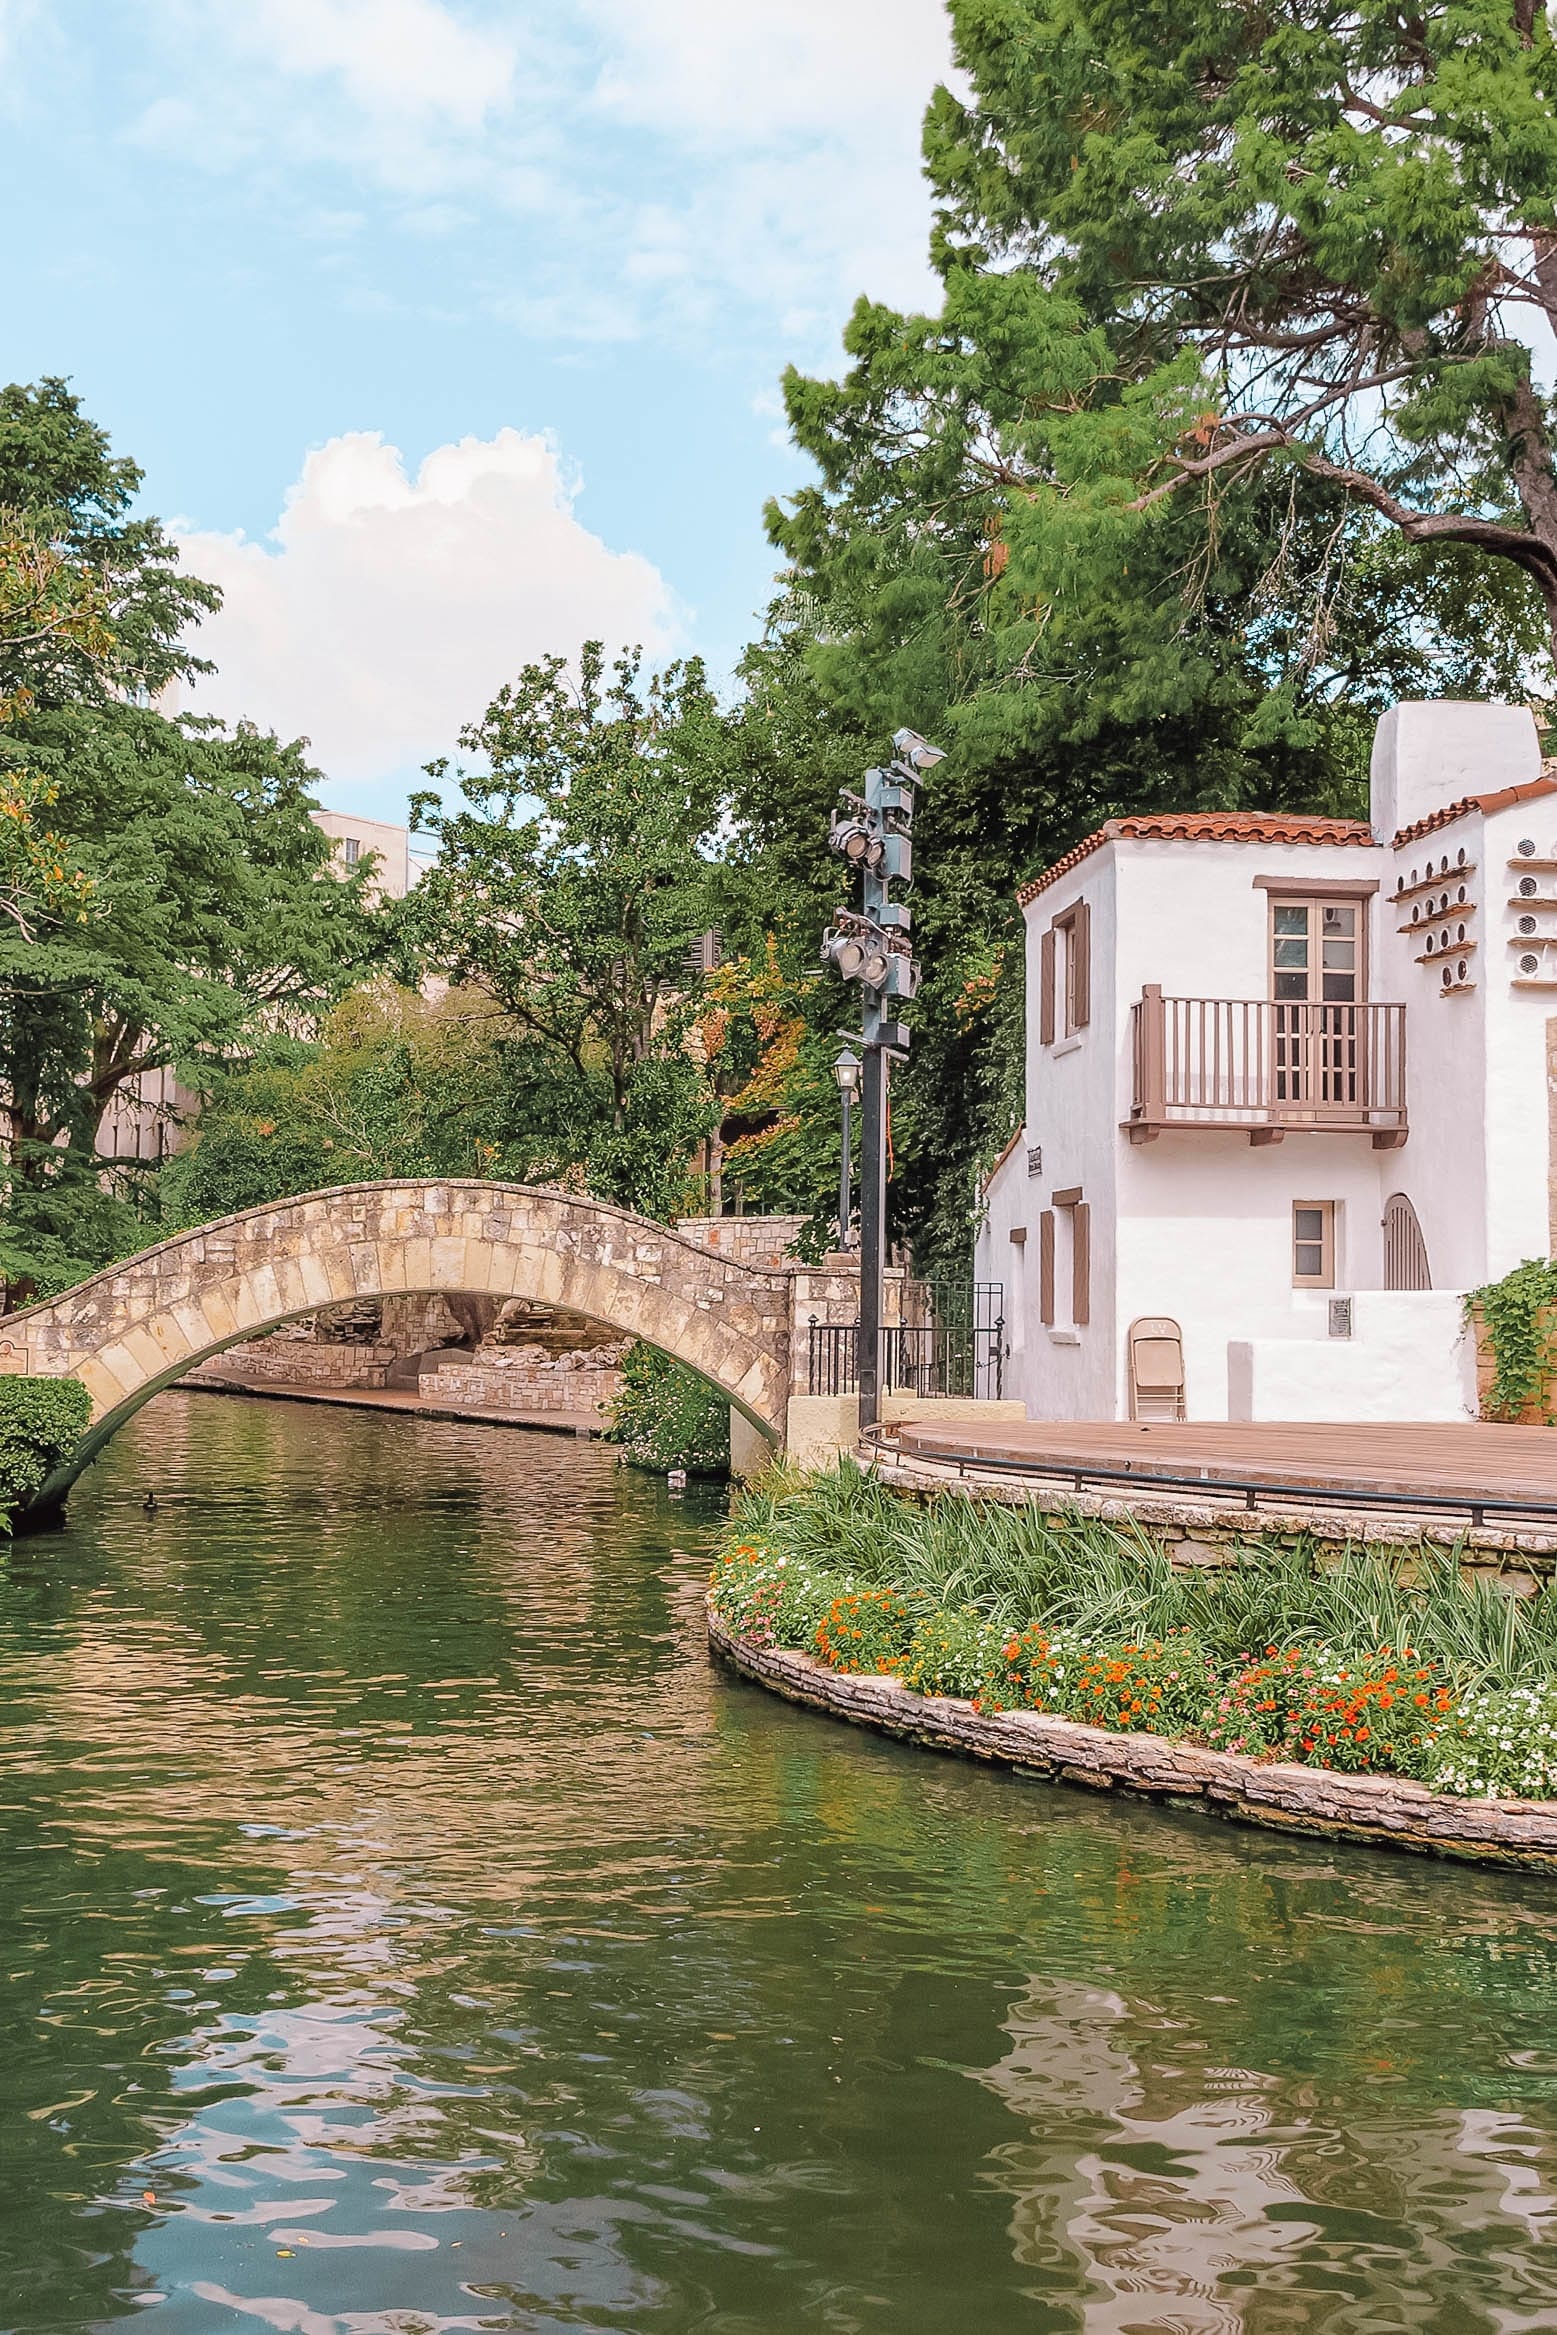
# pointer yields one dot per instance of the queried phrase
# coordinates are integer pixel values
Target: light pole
(874, 833)
(846, 1070)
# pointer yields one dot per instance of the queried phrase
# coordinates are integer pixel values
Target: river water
(404, 1927)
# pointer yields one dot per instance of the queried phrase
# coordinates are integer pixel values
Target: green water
(405, 1928)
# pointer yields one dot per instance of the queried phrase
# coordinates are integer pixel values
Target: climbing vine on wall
(1518, 1316)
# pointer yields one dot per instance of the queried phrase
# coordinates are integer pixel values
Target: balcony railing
(1270, 1067)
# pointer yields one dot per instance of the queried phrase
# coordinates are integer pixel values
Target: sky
(450, 332)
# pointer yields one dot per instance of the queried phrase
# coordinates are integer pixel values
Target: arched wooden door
(1405, 1251)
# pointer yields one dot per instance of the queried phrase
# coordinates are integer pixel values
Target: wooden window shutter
(1046, 1268)
(1080, 959)
(1046, 990)
(1081, 1264)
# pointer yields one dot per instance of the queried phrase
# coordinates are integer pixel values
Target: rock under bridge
(136, 1328)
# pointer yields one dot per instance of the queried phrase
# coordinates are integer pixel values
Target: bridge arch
(136, 1328)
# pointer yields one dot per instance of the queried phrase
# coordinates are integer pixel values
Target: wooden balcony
(1274, 1069)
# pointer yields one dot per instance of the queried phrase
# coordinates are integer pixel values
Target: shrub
(1496, 1745)
(1033, 1670)
(1156, 1685)
(772, 1599)
(1379, 1710)
(953, 1653)
(666, 1416)
(41, 1422)
(867, 1630)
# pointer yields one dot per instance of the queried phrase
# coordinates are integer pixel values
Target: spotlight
(917, 751)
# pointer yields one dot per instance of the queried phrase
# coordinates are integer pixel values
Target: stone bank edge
(1385, 1811)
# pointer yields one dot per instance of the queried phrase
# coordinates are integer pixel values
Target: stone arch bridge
(131, 1331)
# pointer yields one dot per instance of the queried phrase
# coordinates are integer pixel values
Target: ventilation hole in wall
(1527, 924)
(1464, 969)
(1460, 895)
(1459, 857)
(1527, 887)
(1461, 933)
(1528, 964)
(1526, 847)
(1429, 944)
(1448, 976)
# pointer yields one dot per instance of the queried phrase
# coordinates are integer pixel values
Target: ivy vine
(1519, 1317)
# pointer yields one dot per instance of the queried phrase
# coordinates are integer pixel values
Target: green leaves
(572, 888)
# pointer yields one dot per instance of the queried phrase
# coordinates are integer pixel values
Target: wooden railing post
(1151, 1097)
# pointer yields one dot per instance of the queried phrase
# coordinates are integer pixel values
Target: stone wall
(746, 1240)
(526, 1380)
(300, 1362)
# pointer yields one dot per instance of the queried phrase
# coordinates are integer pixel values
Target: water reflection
(406, 1929)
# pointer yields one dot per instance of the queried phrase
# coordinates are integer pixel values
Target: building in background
(1289, 1094)
(354, 838)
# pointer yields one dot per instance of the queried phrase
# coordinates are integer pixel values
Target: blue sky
(450, 331)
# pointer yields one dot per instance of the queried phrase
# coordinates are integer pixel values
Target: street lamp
(846, 1070)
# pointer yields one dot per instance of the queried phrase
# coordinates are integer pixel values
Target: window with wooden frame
(1313, 1244)
(1316, 951)
(1065, 974)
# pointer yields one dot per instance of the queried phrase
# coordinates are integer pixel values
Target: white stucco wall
(1409, 1357)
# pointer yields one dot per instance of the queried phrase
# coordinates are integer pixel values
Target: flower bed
(1461, 1699)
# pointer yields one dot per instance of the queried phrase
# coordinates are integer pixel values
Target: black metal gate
(951, 1341)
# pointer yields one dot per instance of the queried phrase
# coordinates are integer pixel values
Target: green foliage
(666, 1416)
(1121, 196)
(570, 889)
(953, 1652)
(212, 915)
(1367, 1664)
(868, 1631)
(1019, 1565)
(395, 1085)
(41, 1422)
(1519, 1315)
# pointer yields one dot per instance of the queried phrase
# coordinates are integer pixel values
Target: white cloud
(664, 167)
(771, 68)
(395, 57)
(385, 611)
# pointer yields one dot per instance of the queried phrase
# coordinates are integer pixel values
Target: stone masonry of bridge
(136, 1328)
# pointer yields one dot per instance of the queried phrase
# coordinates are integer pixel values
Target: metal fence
(952, 1342)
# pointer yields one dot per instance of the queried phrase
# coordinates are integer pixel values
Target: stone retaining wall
(520, 1379)
(1385, 1811)
(300, 1362)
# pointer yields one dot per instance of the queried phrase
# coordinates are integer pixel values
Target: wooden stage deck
(1471, 1466)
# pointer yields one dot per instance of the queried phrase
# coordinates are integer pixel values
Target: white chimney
(1430, 753)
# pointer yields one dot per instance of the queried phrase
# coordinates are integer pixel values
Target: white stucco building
(1287, 1093)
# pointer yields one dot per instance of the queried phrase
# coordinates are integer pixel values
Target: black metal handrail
(961, 1356)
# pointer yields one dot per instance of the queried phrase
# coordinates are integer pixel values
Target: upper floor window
(351, 850)
(1316, 952)
(1065, 983)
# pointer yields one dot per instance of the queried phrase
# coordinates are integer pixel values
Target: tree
(202, 912)
(395, 1084)
(985, 555)
(571, 889)
(1309, 243)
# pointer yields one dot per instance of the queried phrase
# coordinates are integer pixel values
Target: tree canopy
(572, 888)
(193, 913)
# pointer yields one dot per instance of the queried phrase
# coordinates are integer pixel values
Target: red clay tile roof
(1205, 827)
(1531, 792)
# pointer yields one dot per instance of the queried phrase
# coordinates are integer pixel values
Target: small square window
(1313, 1244)
(351, 850)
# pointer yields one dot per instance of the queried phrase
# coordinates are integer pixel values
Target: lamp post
(846, 1070)
(873, 834)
